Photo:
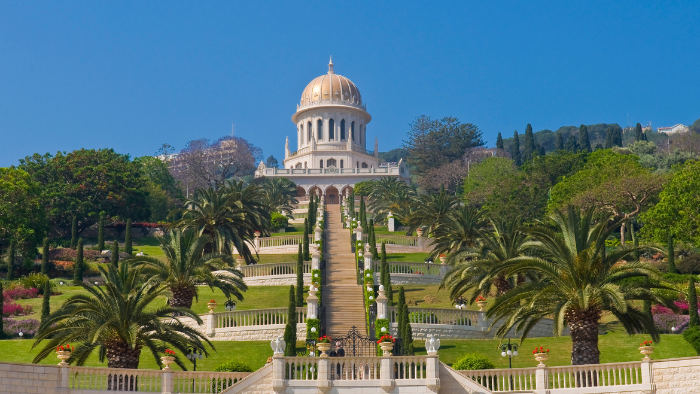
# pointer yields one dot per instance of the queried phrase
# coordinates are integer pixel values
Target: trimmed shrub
(233, 366)
(35, 280)
(313, 323)
(472, 361)
(19, 293)
(278, 221)
(689, 264)
(15, 310)
(692, 336)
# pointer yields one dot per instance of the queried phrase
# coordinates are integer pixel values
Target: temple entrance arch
(344, 192)
(315, 191)
(332, 195)
(301, 193)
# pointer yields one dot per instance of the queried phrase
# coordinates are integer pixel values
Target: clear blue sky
(135, 75)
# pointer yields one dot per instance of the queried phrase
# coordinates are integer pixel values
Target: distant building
(679, 128)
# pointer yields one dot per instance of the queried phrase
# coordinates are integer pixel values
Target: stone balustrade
(404, 273)
(248, 325)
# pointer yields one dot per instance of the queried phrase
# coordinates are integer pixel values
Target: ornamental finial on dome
(330, 66)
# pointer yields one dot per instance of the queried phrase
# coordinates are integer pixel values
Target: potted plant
(540, 355)
(419, 231)
(443, 258)
(386, 343)
(63, 352)
(240, 261)
(168, 359)
(646, 349)
(481, 302)
(211, 305)
(324, 345)
(256, 233)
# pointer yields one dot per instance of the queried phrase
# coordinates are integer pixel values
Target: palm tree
(391, 195)
(119, 319)
(229, 215)
(473, 268)
(431, 209)
(460, 229)
(579, 281)
(186, 267)
(279, 195)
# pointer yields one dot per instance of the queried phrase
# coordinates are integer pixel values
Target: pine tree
(78, 267)
(11, 261)
(74, 233)
(127, 238)
(45, 306)
(609, 139)
(529, 148)
(671, 255)
(114, 259)
(300, 278)
(559, 142)
(499, 141)
(693, 304)
(290, 330)
(638, 134)
(584, 142)
(101, 232)
(516, 149)
(45, 257)
(372, 240)
(305, 241)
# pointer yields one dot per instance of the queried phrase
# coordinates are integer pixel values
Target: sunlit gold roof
(331, 88)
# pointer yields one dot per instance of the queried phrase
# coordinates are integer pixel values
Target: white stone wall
(23, 378)
(276, 280)
(410, 279)
(420, 331)
(257, 333)
(678, 376)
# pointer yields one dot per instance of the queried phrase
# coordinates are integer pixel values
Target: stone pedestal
(278, 382)
(312, 304)
(358, 233)
(390, 222)
(368, 260)
(432, 379)
(382, 304)
(315, 260)
(167, 381)
(211, 324)
(386, 381)
(317, 233)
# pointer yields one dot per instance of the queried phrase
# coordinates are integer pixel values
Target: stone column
(324, 374)
(432, 371)
(368, 260)
(312, 304)
(386, 373)
(382, 304)
(64, 375)
(358, 233)
(278, 382)
(256, 241)
(315, 260)
(541, 380)
(167, 380)
(648, 375)
(211, 324)
(317, 233)
(390, 222)
(347, 221)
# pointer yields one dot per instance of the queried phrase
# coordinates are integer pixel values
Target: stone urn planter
(167, 360)
(443, 259)
(646, 351)
(211, 305)
(240, 262)
(63, 355)
(323, 347)
(541, 357)
(419, 232)
(481, 305)
(386, 347)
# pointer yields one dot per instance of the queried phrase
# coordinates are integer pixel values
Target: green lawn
(290, 230)
(149, 246)
(406, 257)
(277, 258)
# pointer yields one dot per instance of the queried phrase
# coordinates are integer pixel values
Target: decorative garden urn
(646, 351)
(211, 305)
(167, 360)
(443, 259)
(541, 357)
(419, 232)
(323, 347)
(386, 348)
(481, 305)
(63, 355)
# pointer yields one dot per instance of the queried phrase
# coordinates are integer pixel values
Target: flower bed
(13, 309)
(19, 293)
(12, 327)
(666, 320)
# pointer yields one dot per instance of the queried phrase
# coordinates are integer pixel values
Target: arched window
(352, 130)
(331, 130)
(330, 163)
(298, 165)
(308, 131)
(341, 164)
(319, 129)
(321, 163)
(364, 165)
(342, 130)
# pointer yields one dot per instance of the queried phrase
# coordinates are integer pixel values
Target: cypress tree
(617, 136)
(609, 140)
(305, 241)
(571, 143)
(516, 149)
(114, 259)
(363, 213)
(45, 306)
(638, 132)
(78, 267)
(127, 238)
(671, 255)
(2, 306)
(499, 141)
(290, 330)
(559, 142)
(74, 233)
(373, 241)
(693, 304)
(529, 148)
(11, 261)
(583, 141)
(101, 232)
(45, 257)
(300, 278)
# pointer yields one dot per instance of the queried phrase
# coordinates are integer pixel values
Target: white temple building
(331, 152)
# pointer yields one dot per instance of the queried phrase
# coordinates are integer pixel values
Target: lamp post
(194, 354)
(230, 305)
(509, 350)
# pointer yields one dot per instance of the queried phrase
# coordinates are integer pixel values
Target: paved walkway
(342, 296)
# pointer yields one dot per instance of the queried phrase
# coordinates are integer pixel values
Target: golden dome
(331, 88)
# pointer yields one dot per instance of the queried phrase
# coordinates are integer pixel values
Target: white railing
(400, 267)
(257, 317)
(250, 271)
(301, 368)
(354, 368)
(454, 317)
(287, 240)
(393, 239)
(205, 382)
(409, 367)
(497, 380)
(598, 375)
(324, 147)
(394, 170)
(112, 379)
